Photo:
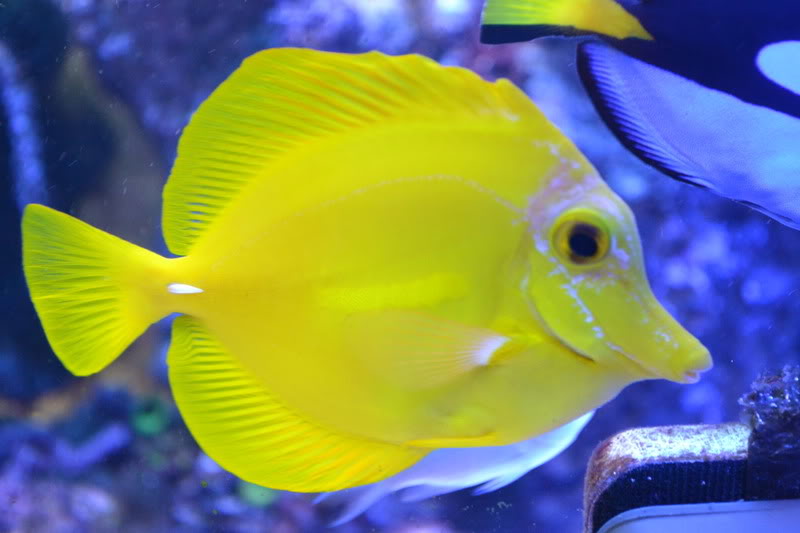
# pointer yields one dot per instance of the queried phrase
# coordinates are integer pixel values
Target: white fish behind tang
(450, 469)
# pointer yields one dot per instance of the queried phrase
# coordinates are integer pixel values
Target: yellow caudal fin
(248, 431)
(507, 21)
(93, 292)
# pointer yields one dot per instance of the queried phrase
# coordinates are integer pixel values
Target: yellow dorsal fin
(606, 17)
(418, 350)
(243, 427)
(282, 99)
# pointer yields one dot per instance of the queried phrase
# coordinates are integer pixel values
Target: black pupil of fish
(583, 241)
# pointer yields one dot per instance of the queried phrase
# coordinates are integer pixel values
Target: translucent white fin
(451, 469)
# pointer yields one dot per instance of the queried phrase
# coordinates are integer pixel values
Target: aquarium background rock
(772, 409)
(111, 84)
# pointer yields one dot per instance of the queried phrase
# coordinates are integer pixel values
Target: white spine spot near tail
(182, 288)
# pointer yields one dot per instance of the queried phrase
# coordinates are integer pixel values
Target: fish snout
(693, 364)
(659, 347)
(677, 355)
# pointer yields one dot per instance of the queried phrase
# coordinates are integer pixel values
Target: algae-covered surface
(104, 88)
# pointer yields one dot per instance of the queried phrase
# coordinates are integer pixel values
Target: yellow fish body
(380, 256)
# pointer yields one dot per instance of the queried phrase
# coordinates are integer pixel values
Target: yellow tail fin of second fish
(94, 293)
(507, 21)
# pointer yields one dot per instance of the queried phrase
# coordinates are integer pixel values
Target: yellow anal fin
(489, 439)
(503, 19)
(243, 427)
(418, 350)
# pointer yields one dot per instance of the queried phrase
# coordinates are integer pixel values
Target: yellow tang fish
(380, 256)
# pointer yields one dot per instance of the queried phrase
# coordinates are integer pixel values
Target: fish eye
(581, 239)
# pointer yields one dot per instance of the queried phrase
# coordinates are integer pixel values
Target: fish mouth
(649, 372)
(691, 377)
(704, 363)
(646, 371)
(701, 359)
(687, 377)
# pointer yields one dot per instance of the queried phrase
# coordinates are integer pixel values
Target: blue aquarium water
(94, 96)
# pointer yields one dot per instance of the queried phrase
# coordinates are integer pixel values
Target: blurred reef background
(93, 97)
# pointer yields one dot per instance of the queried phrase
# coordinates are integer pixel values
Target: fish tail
(94, 293)
(508, 21)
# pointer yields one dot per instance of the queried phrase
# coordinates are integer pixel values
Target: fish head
(588, 285)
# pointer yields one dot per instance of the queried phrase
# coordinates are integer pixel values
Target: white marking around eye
(588, 317)
(608, 205)
(559, 270)
(541, 244)
(622, 256)
(619, 350)
(666, 337)
(780, 62)
(619, 253)
(182, 288)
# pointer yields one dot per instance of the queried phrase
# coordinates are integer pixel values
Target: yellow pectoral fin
(505, 20)
(418, 350)
(248, 431)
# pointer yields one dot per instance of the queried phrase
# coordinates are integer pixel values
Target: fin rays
(281, 99)
(250, 433)
(86, 286)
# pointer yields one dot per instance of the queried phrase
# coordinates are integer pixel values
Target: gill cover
(589, 286)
